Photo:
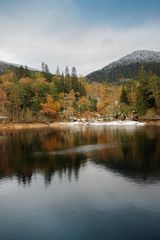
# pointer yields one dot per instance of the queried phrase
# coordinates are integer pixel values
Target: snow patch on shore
(112, 123)
(121, 123)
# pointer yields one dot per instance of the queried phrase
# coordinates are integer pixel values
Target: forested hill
(40, 96)
(5, 66)
(128, 67)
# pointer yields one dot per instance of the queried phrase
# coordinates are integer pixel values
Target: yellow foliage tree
(51, 107)
(84, 101)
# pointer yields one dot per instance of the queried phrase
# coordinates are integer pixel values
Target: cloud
(59, 36)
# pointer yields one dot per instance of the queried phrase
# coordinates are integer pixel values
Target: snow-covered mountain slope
(6, 66)
(11, 66)
(127, 67)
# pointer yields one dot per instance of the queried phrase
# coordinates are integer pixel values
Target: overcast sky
(87, 34)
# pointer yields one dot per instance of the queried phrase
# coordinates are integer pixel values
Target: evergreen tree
(74, 72)
(81, 89)
(21, 72)
(27, 72)
(59, 83)
(46, 69)
(46, 72)
(68, 85)
(124, 96)
(43, 67)
(155, 84)
(67, 72)
(144, 96)
(58, 71)
(74, 80)
(92, 104)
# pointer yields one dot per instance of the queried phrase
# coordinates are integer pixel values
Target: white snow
(136, 57)
(3, 65)
(112, 123)
(120, 123)
(140, 56)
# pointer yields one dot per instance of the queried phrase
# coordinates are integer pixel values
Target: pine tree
(26, 72)
(46, 69)
(155, 84)
(143, 94)
(59, 83)
(58, 71)
(81, 89)
(74, 72)
(68, 86)
(46, 72)
(124, 96)
(74, 80)
(67, 71)
(21, 72)
(43, 67)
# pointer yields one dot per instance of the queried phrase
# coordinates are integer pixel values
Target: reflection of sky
(80, 196)
(100, 204)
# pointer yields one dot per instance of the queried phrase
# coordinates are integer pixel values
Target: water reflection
(134, 153)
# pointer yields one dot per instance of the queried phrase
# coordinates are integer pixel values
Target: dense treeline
(30, 96)
(27, 96)
(144, 93)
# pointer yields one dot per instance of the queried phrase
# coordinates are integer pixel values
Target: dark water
(80, 183)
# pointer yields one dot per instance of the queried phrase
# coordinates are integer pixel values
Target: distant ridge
(4, 66)
(127, 67)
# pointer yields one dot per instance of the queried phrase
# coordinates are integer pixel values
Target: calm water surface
(80, 183)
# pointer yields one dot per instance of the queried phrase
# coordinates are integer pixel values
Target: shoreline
(23, 126)
(125, 123)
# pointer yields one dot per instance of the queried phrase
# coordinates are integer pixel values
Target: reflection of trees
(16, 157)
(137, 154)
(138, 158)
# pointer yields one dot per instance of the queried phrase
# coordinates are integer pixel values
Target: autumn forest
(39, 96)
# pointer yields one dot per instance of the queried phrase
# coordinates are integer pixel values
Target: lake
(80, 183)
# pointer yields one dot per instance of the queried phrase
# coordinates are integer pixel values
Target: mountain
(127, 67)
(4, 66)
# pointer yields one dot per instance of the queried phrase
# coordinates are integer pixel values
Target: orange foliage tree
(51, 107)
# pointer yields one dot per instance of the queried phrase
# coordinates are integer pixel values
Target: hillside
(127, 67)
(5, 66)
